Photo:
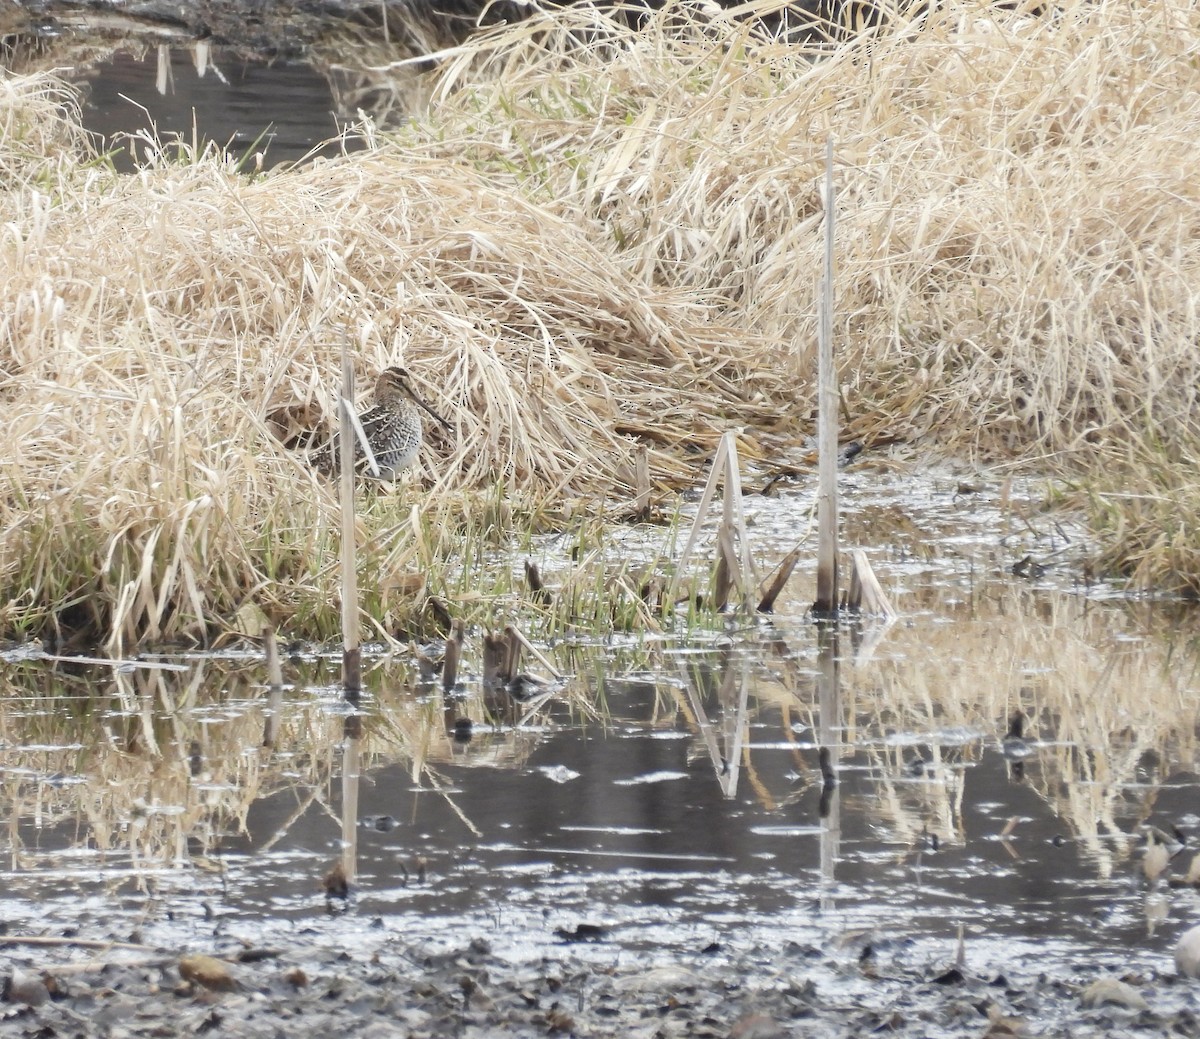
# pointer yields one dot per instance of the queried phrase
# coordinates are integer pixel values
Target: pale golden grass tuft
(1017, 251)
(155, 327)
(39, 130)
(1018, 246)
(595, 237)
(1143, 505)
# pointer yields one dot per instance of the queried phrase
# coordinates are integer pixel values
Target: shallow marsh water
(285, 110)
(669, 792)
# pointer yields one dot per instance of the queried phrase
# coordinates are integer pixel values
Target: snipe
(392, 426)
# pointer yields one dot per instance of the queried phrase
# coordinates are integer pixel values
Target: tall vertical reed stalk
(351, 635)
(826, 603)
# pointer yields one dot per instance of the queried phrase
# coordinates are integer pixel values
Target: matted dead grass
(161, 331)
(1017, 250)
(595, 237)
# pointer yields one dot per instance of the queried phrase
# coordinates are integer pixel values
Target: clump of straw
(155, 329)
(597, 238)
(1018, 248)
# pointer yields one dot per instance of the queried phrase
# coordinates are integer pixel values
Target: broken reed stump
(734, 563)
(273, 713)
(271, 651)
(453, 654)
(773, 584)
(500, 657)
(866, 594)
(538, 592)
(517, 641)
(723, 577)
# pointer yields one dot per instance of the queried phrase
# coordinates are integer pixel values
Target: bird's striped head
(394, 387)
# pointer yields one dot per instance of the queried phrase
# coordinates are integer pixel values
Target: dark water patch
(285, 109)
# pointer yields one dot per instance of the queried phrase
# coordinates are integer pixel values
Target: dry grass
(594, 237)
(1019, 229)
(1016, 255)
(157, 330)
(1142, 502)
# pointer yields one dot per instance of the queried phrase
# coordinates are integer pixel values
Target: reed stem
(826, 603)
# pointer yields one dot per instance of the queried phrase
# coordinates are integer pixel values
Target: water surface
(283, 110)
(670, 790)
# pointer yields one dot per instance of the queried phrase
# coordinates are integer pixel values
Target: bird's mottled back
(392, 426)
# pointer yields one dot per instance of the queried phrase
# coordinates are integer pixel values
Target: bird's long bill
(427, 408)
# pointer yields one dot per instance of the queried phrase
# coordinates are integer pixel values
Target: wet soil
(386, 984)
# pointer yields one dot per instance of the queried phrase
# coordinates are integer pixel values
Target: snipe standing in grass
(392, 426)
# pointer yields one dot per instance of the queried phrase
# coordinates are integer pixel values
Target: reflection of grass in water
(1102, 686)
(172, 762)
(1101, 689)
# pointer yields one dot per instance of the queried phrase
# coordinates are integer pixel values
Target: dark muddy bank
(384, 984)
(290, 28)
